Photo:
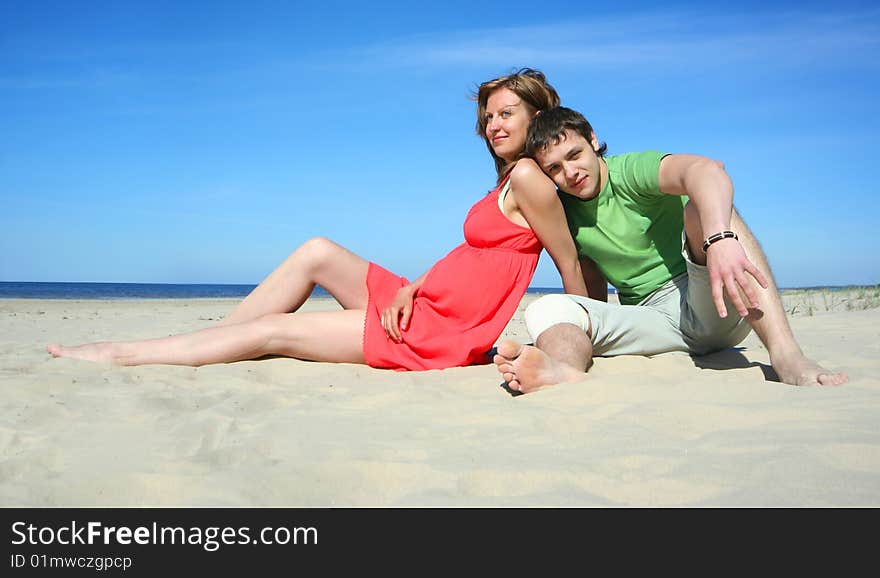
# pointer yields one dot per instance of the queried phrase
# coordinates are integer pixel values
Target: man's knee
(693, 229)
(550, 310)
(735, 217)
(691, 214)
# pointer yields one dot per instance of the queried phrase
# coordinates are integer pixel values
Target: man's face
(573, 165)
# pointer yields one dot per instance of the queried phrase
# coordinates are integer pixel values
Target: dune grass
(812, 301)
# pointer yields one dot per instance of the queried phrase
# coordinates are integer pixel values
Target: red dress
(466, 301)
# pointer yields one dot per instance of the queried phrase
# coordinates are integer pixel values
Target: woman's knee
(317, 246)
(316, 251)
(272, 328)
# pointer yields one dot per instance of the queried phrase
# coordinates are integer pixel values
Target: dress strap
(503, 195)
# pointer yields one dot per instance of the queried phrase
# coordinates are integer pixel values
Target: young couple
(660, 228)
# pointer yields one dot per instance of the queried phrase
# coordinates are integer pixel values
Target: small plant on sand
(811, 301)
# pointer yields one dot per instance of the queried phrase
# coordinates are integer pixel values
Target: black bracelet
(717, 237)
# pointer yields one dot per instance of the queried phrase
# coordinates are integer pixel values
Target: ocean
(137, 291)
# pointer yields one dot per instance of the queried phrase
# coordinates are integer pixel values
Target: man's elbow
(704, 167)
(706, 162)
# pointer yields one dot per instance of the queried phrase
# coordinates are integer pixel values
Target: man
(662, 230)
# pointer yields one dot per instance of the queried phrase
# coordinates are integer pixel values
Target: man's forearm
(710, 188)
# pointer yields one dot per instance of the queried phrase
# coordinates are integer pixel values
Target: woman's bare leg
(335, 336)
(318, 261)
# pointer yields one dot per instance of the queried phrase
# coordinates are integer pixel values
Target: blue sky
(187, 142)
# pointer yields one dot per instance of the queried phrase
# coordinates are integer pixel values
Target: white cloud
(651, 39)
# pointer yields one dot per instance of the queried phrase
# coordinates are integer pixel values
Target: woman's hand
(396, 316)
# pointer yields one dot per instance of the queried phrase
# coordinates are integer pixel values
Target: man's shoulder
(637, 172)
(626, 160)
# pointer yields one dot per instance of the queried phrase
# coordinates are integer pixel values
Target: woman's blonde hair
(528, 84)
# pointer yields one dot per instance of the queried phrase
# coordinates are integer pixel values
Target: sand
(667, 431)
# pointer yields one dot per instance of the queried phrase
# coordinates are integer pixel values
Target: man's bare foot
(526, 368)
(97, 352)
(796, 369)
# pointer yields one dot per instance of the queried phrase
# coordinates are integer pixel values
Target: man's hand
(728, 268)
(396, 316)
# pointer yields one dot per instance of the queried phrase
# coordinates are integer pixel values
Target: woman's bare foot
(797, 369)
(103, 352)
(526, 368)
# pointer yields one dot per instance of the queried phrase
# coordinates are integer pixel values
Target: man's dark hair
(549, 128)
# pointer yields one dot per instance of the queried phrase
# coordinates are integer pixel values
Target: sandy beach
(666, 431)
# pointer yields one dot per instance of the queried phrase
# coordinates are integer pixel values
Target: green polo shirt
(631, 230)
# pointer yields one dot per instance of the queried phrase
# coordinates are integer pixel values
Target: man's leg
(769, 322)
(563, 353)
(569, 330)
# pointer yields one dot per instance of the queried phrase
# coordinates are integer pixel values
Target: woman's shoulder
(525, 168)
(527, 177)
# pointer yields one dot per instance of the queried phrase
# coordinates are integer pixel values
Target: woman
(450, 316)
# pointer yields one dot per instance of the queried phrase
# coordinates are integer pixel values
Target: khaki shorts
(679, 316)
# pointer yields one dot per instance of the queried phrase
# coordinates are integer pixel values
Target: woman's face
(507, 122)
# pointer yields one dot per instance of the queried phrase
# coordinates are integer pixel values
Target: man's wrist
(711, 239)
